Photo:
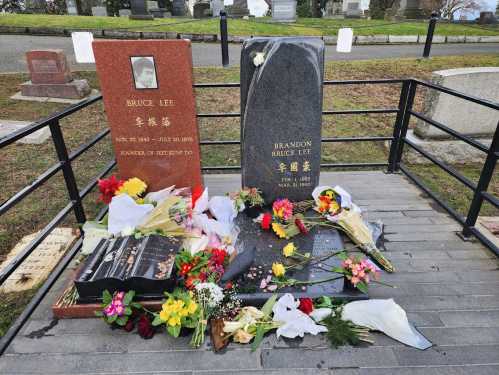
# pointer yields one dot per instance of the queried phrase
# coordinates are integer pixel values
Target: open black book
(144, 265)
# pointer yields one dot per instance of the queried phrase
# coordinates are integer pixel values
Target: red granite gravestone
(149, 101)
(48, 66)
(51, 77)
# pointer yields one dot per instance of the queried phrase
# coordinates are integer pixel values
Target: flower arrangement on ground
(359, 272)
(179, 310)
(117, 308)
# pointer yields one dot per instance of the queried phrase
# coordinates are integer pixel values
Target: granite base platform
(76, 89)
(320, 243)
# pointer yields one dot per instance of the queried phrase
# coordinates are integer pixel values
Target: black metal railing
(398, 140)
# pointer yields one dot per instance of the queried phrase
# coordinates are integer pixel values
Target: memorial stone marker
(281, 116)
(139, 10)
(284, 10)
(51, 76)
(149, 101)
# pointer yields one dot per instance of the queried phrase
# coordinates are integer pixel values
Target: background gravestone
(149, 101)
(281, 116)
(51, 77)
(139, 10)
(284, 10)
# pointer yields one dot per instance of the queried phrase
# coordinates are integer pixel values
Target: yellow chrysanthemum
(330, 194)
(174, 321)
(279, 230)
(289, 249)
(133, 187)
(278, 269)
(184, 312)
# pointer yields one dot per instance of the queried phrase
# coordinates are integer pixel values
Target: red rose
(229, 285)
(144, 327)
(266, 221)
(108, 187)
(190, 282)
(306, 305)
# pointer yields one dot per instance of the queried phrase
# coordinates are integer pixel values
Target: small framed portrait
(144, 72)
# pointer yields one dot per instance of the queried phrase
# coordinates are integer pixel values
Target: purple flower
(109, 310)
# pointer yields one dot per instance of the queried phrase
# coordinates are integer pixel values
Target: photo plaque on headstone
(281, 116)
(147, 88)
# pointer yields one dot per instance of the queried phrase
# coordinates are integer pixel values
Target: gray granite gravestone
(284, 10)
(281, 116)
(139, 10)
(178, 8)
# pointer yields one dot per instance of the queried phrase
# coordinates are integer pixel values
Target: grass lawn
(21, 164)
(259, 26)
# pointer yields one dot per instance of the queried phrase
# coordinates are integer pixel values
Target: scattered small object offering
(185, 238)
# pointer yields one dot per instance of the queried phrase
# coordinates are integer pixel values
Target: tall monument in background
(239, 9)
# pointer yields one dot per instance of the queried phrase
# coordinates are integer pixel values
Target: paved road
(13, 47)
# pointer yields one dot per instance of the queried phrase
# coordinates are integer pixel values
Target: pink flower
(283, 209)
(355, 272)
(120, 295)
(355, 280)
(120, 310)
(109, 310)
(348, 262)
(362, 274)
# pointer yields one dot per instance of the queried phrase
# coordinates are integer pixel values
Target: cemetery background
(55, 24)
(21, 167)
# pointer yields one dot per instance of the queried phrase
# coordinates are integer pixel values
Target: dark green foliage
(340, 332)
(303, 8)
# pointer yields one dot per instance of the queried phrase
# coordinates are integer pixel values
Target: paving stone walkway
(449, 288)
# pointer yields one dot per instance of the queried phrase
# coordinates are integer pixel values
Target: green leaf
(362, 286)
(100, 314)
(129, 297)
(342, 256)
(174, 330)
(112, 318)
(267, 307)
(136, 305)
(338, 270)
(157, 320)
(121, 321)
(260, 331)
(128, 311)
(106, 297)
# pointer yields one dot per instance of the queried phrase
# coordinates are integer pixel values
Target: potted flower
(179, 313)
(251, 199)
(118, 309)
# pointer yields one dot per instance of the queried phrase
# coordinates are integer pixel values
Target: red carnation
(144, 327)
(306, 305)
(303, 229)
(218, 256)
(108, 187)
(266, 221)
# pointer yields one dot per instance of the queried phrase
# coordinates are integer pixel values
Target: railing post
(483, 184)
(429, 34)
(400, 133)
(398, 125)
(223, 38)
(67, 171)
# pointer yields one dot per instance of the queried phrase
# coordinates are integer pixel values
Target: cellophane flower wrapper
(356, 228)
(94, 233)
(294, 322)
(167, 218)
(124, 212)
